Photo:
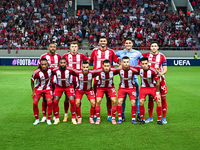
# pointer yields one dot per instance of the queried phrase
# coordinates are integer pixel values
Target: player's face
(125, 63)
(52, 48)
(74, 48)
(44, 65)
(128, 44)
(103, 42)
(62, 63)
(85, 68)
(154, 47)
(106, 67)
(144, 65)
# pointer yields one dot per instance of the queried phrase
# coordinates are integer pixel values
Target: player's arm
(164, 65)
(158, 89)
(33, 89)
(90, 60)
(116, 59)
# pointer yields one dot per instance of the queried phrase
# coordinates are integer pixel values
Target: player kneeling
(85, 77)
(127, 86)
(148, 77)
(106, 86)
(42, 88)
(63, 84)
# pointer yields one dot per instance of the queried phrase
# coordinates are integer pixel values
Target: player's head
(74, 47)
(43, 64)
(52, 48)
(128, 44)
(106, 65)
(144, 63)
(125, 62)
(85, 67)
(62, 64)
(102, 41)
(154, 46)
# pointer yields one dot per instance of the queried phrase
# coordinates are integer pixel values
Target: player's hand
(159, 75)
(120, 67)
(33, 94)
(158, 96)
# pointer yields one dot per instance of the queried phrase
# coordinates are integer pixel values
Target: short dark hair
(52, 43)
(85, 62)
(74, 43)
(62, 59)
(125, 57)
(106, 61)
(144, 59)
(43, 59)
(154, 41)
(128, 39)
(102, 37)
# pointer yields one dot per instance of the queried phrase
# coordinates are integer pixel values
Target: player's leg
(121, 95)
(66, 107)
(123, 108)
(109, 107)
(44, 108)
(95, 92)
(133, 110)
(98, 109)
(114, 110)
(163, 91)
(91, 98)
(142, 111)
(159, 111)
(48, 95)
(150, 109)
(56, 109)
(78, 110)
(137, 97)
(36, 111)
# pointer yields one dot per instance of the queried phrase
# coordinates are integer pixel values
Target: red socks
(92, 112)
(44, 108)
(98, 109)
(119, 112)
(78, 111)
(164, 106)
(114, 110)
(49, 109)
(35, 109)
(159, 112)
(142, 111)
(109, 106)
(133, 111)
(56, 108)
(150, 106)
(66, 106)
(73, 108)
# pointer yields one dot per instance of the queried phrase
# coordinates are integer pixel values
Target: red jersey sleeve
(84, 57)
(164, 61)
(135, 70)
(34, 75)
(92, 56)
(115, 57)
(145, 54)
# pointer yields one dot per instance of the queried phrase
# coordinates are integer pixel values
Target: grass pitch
(181, 132)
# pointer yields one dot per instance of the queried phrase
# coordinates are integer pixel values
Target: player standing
(85, 77)
(127, 87)
(106, 85)
(158, 61)
(150, 85)
(74, 60)
(43, 87)
(53, 60)
(134, 56)
(63, 84)
(97, 57)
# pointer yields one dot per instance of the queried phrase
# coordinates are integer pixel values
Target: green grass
(181, 132)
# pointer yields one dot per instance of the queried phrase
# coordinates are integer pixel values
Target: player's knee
(163, 96)
(120, 102)
(35, 102)
(133, 102)
(141, 101)
(92, 103)
(159, 103)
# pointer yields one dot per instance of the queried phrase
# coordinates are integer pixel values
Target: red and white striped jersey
(43, 79)
(75, 61)
(63, 77)
(156, 61)
(127, 77)
(52, 60)
(148, 77)
(85, 81)
(98, 56)
(106, 79)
